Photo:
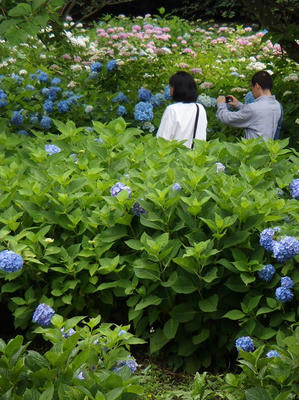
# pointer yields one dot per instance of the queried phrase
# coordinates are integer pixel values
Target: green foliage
(80, 366)
(186, 268)
(28, 18)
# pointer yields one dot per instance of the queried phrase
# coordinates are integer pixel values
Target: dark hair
(263, 78)
(184, 87)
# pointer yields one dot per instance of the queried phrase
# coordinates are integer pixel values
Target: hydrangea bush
(146, 231)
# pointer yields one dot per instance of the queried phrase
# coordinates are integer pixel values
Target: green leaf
(257, 393)
(34, 361)
(48, 394)
(157, 341)
(201, 337)
(234, 314)
(234, 238)
(170, 328)
(13, 346)
(183, 312)
(21, 10)
(37, 3)
(210, 304)
(148, 301)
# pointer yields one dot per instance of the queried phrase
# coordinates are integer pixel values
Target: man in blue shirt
(260, 118)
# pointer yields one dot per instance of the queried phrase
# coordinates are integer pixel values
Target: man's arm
(238, 119)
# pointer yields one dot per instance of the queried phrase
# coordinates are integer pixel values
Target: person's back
(181, 119)
(259, 118)
(178, 123)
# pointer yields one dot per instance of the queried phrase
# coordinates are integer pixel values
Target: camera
(228, 99)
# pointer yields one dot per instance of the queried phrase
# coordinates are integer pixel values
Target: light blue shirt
(259, 118)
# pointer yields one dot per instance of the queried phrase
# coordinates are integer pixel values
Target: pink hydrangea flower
(66, 57)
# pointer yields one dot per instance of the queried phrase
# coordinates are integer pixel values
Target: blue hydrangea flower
(10, 261)
(63, 106)
(45, 91)
(143, 111)
(93, 75)
(53, 92)
(144, 94)
(52, 149)
(130, 362)
(80, 376)
(99, 140)
(43, 315)
(17, 78)
(137, 209)
(68, 93)
(17, 118)
(32, 76)
(283, 294)
(266, 274)
(167, 92)
(46, 122)
(234, 73)
(43, 77)
(157, 99)
(3, 103)
(48, 106)
(30, 87)
(55, 81)
(272, 353)
(111, 65)
(23, 132)
(249, 98)
(294, 186)
(219, 167)
(121, 98)
(68, 333)
(34, 118)
(176, 187)
(118, 187)
(121, 110)
(3, 95)
(245, 343)
(96, 67)
(287, 282)
(266, 238)
(286, 248)
(206, 100)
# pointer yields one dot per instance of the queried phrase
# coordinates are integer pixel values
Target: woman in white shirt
(178, 119)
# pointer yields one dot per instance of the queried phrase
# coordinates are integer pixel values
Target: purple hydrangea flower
(272, 353)
(219, 167)
(43, 315)
(176, 187)
(118, 187)
(286, 248)
(137, 209)
(68, 333)
(245, 343)
(10, 261)
(144, 94)
(283, 294)
(52, 149)
(266, 238)
(287, 282)
(294, 186)
(266, 274)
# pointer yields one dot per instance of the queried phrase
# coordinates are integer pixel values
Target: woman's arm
(166, 128)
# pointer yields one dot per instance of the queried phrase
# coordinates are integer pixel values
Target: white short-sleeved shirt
(178, 122)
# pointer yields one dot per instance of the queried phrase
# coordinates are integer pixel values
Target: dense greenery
(111, 221)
